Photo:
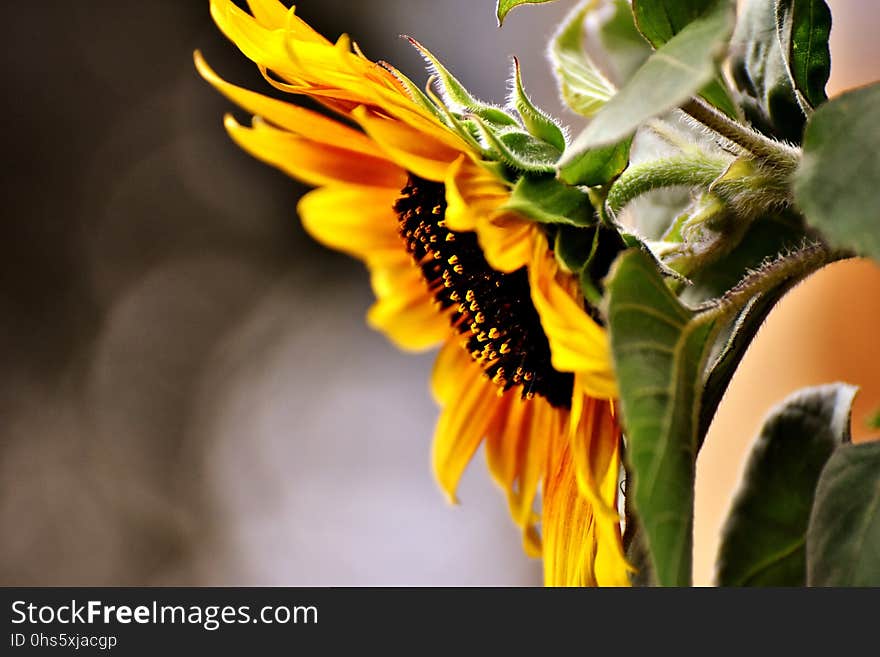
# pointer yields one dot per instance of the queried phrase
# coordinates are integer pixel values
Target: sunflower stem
(791, 267)
(686, 170)
(752, 141)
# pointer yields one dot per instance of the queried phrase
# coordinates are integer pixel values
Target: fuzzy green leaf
(504, 6)
(837, 185)
(843, 541)
(764, 539)
(659, 349)
(761, 74)
(582, 85)
(547, 200)
(621, 40)
(660, 20)
(803, 28)
(671, 75)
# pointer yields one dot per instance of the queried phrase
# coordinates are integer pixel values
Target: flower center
(492, 310)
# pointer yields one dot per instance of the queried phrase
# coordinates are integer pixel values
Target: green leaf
(761, 74)
(764, 538)
(504, 6)
(837, 185)
(803, 27)
(659, 349)
(582, 86)
(671, 75)
(536, 120)
(547, 200)
(874, 420)
(660, 20)
(621, 40)
(596, 166)
(843, 541)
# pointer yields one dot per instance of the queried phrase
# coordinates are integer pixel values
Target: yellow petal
(462, 425)
(577, 343)
(568, 526)
(502, 445)
(313, 162)
(594, 437)
(269, 13)
(445, 375)
(611, 566)
(506, 241)
(413, 150)
(405, 310)
(471, 193)
(594, 441)
(358, 220)
(297, 120)
(534, 446)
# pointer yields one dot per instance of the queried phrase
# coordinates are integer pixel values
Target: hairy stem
(694, 170)
(750, 140)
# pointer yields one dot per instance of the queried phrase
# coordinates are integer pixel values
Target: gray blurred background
(189, 394)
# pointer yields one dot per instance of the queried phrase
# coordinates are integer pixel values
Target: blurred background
(190, 395)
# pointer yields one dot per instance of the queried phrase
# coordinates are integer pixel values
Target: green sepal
(457, 98)
(596, 166)
(573, 246)
(588, 252)
(535, 120)
(547, 200)
(516, 148)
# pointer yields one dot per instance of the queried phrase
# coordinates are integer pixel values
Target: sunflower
(522, 368)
